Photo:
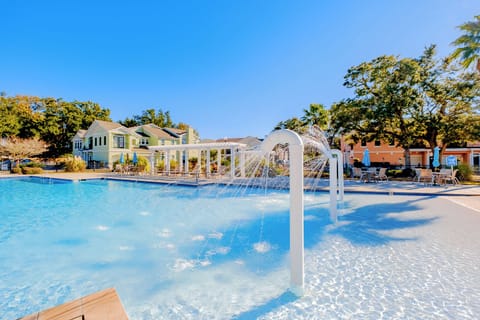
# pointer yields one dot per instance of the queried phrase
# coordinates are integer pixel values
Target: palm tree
(468, 44)
(317, 115)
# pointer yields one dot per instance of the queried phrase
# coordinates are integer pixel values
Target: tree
(316, 115)
(294, 124)
(17, 148)
(386, 102)
(409, 100)
(468, 44)
(159, 118)
(450, 103)
(9, 125)
(63, 119)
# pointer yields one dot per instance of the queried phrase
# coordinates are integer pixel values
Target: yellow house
(103, 143)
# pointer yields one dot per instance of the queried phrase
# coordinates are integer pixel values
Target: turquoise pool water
(222, 252)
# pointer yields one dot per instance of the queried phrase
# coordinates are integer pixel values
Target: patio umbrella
(436, 157)
(135, 160)
(366, 158)
(122, 160)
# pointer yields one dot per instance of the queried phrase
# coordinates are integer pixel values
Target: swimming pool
(218, 253)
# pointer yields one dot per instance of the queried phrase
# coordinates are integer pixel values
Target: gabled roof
(249, 141)
(175, 131)
(157, 131)
(107, 125)
(81, 133)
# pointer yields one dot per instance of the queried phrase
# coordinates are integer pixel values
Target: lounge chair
(451, 177)
(381, 175)
(425, 176)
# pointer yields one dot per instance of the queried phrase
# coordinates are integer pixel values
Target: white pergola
(184, 149)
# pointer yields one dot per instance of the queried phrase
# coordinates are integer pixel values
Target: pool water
(221, 252)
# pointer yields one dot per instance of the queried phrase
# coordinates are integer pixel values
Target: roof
(249, 141)
(81, 133)
(107, 125)
(157, 131)
(175, 131)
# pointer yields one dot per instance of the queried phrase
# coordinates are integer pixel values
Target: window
(391, 142)
(118, 141)
(144, 141)
(78, 144)
(104, 140)
(377, 143)
(95, 141)
(100, 141)
(364, 142)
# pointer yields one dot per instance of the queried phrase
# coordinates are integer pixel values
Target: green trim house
(103, 143)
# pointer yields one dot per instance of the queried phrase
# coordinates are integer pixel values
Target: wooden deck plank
(102, 305)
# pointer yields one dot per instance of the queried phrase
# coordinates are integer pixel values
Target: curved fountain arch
(295, 145)
(296, 148)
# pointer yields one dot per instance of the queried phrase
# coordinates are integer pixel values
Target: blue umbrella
(436, 157)
(135, 160)
(122, 160)
(366, 158)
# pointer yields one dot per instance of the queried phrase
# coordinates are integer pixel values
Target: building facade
(103, 143)
(391, 155)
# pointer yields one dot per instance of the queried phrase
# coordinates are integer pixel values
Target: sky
(228, 68)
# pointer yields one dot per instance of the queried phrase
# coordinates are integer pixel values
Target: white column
(186, 161)
(199, 163)
(219, 160)
(242, 163)
(180, 160)
(167, 163)
(152, 163)
(208, 163)
(232, 163)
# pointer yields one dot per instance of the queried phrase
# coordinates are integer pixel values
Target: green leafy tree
(409, 100)
(294, 124)
(316, 115)
(91, 111)
(129, 122)
(9, 124)
(451, 99)
(385, 105)
(468, 44)
(62, 120)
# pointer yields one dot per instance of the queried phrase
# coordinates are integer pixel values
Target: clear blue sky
(228, 68)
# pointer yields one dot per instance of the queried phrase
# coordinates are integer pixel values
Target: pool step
(102, 305)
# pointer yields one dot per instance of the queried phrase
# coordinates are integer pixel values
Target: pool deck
(102, 305)
(466, 195)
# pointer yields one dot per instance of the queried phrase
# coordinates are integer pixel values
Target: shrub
(17, 170)
(31, 170)
(464, 172)
(142, 161)
(75, 164)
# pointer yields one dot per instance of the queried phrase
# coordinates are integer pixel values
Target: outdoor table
(368, 175)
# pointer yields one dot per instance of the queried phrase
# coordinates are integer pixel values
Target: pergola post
(186, 162)
(167, 163)
(219, 160)
(207, 172)
(242, 163)
(180, 160)
(199, 163)
(232, 163)
(152, 163)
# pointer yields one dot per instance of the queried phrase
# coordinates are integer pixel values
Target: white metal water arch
(295, 145)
